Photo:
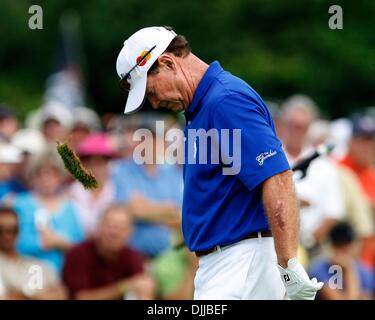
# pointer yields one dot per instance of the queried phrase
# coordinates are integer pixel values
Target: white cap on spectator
(29, 140)
(86, 117)
(10, 154)
(58, 112)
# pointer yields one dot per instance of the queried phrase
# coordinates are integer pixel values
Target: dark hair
(179, 46)
(341, 234)
(7, 210)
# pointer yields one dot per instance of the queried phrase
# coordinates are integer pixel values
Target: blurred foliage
(278, 47)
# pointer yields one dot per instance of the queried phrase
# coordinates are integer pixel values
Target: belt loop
(259, 237)
(218, 248)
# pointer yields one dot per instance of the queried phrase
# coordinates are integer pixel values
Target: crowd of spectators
(123, 239)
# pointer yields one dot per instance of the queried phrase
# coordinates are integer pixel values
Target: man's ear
(167, 61)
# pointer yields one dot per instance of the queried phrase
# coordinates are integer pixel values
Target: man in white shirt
(319, 191)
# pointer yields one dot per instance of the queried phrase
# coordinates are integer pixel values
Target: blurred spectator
(8, 123)
(352, 280)
(10, 158)
(85, 121)
(154, 194)
(356, 207)
(95, 152)
(174, 273)
(56, 121)
(53, 119)
(15, 269)
(361, 154)
(297, 114)
(104, 267)
(319, 191)
(122, 131)
(108, 119)
(361, 160)
(49, 224)
(125, 143)
(30, 142)
(319, 133)
(340, 133)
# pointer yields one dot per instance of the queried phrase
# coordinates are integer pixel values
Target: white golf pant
(241, 271)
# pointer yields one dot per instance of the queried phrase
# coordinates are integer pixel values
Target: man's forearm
(281, 206)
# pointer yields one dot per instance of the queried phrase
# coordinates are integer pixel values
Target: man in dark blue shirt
(239, 203)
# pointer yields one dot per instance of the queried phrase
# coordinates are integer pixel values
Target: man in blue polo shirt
(240, 214)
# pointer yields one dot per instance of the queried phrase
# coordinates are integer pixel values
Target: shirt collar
(213, 70)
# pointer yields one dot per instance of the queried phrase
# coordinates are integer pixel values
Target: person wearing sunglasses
(233, 222)
(19, 274)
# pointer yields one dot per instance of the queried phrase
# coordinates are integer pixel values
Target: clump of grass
(74, 165)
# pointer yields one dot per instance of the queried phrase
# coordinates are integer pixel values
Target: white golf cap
(154, 40)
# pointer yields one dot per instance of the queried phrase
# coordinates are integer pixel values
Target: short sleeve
(252, 138)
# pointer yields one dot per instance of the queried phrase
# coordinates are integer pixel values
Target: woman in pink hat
(95, 151)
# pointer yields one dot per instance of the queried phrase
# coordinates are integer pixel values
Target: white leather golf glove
(297, 283)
